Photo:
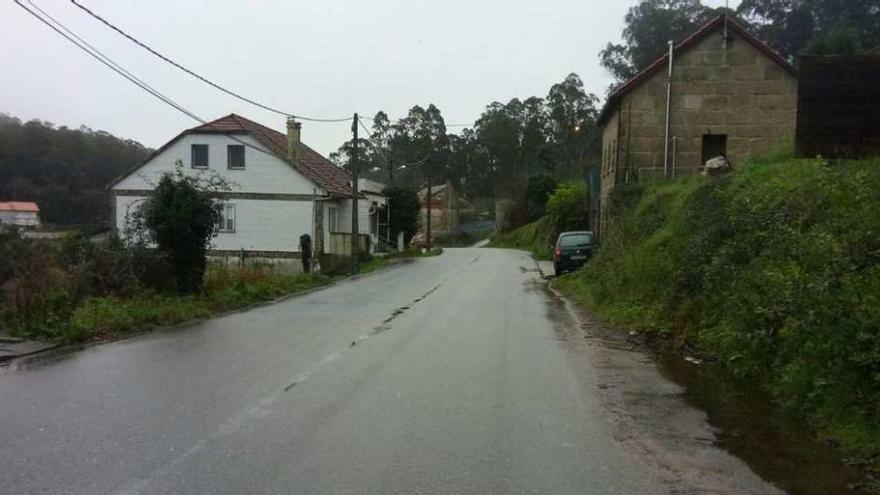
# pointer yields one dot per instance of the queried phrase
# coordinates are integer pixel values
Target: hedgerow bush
(773, 271)
(567, 210)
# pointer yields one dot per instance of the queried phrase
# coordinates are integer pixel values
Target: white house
(20, 213)
(281, 188)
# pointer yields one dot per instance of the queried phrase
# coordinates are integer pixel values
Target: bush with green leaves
(774, 272)
(181, 218)
(568, 207)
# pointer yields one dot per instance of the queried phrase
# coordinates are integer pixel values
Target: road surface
(451, 374)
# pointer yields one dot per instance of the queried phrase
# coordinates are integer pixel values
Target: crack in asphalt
(383, 327)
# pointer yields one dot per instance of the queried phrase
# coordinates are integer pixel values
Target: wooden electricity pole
(430, 200)
(355, 237)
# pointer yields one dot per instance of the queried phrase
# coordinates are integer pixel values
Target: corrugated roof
(24, 206)
(688, 42)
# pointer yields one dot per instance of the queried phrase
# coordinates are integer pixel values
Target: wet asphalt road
(447, 375)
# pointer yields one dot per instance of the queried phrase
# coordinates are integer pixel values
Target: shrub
(568, 207)
(181, 218)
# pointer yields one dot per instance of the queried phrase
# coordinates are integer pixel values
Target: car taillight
(558, 253)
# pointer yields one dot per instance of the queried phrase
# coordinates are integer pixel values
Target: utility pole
(430, 200)
(355, 237)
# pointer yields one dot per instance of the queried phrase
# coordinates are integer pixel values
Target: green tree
(538, 190)
(576, 138)
(404, 211)
(65, 171)
(649, 27)
(181, 218)
(824, 26)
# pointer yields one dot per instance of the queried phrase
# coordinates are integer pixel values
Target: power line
(70, 36)
(361, 122)
(397, 121)
(197, 76)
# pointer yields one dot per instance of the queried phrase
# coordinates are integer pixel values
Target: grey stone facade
(730, 96)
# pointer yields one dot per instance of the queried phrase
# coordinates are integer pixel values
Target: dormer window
(200, 156)
(235, 156)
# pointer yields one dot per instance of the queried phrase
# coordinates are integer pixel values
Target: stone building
(729, 95)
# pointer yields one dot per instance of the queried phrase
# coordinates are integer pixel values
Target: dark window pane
(235, 155)
(200, 156)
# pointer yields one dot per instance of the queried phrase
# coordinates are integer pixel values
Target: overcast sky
(326, 58)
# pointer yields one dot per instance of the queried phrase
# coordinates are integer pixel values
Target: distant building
(445, 208)
(380, 227)
(731, 96)
(19, 213)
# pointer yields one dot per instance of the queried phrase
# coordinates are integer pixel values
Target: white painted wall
(20, 218)
(263, 173)
(260, 225)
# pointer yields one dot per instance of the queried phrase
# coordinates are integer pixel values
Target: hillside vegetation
(773, 272)
(66, 171)
(567, 210)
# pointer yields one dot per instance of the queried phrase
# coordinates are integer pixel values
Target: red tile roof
(20, 206)
(662, 62)
(315, 167)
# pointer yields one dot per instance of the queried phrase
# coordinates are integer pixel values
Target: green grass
(533, 237)
(772, 273)
(225, 289)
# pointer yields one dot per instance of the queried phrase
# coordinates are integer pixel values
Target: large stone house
(729, 95)
(280, 190)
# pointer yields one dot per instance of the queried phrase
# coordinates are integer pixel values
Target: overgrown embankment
(772, 272)
(567, 210)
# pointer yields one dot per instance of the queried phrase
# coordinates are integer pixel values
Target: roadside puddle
(683, 418)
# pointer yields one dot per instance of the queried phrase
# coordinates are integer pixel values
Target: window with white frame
(332, 219)
(227, 218)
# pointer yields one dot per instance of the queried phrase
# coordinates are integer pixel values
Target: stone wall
(736, 91)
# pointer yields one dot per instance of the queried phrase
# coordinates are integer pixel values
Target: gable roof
(324, 173)
(685, 44)
(20, 206)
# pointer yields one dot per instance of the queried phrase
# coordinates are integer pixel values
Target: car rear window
(576, 240)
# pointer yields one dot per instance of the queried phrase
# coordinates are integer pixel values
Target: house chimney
(293, 133)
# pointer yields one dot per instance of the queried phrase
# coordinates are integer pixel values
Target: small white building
(20, 214)
(281, 189)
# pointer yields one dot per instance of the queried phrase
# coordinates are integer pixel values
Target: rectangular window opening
(714, 145)
(235, 156)
(200, 156)
(227, 218)
(332, 219)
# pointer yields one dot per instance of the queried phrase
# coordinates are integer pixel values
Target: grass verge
(772, 273)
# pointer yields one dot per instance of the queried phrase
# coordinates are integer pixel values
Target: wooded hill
(65, 171)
